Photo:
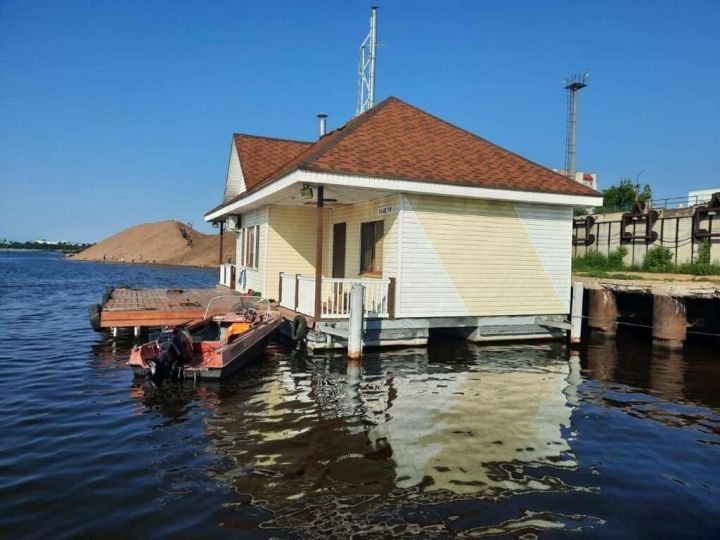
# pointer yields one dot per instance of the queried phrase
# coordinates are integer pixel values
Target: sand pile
(164, 242)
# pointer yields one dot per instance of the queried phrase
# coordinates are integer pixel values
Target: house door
(338, 260)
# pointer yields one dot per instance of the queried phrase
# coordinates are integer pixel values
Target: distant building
(701, 196)
(584, 178)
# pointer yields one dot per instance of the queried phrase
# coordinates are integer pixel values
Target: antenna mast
(366, 69)
(572, 84)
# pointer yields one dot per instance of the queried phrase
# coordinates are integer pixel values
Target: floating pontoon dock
(126, 307)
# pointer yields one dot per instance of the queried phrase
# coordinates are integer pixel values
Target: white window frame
(250, 244)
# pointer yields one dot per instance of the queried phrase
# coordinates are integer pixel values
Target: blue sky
(114, 113)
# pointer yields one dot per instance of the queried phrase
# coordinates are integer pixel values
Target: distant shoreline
(144, 263)
(36, 249)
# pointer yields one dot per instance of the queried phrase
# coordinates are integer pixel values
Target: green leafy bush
(704, 252)
(595, 261)
(658, 259)
(616, 258)
(702, 266)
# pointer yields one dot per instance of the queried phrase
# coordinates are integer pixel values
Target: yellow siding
(249, 278)
(359, 213)
(291, 244)
(474, 257)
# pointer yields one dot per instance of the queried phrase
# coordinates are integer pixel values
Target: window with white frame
(250, 246)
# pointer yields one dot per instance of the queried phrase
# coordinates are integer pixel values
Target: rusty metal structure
(706, 212)
(681, 230)
(640, 217)
(583, 225)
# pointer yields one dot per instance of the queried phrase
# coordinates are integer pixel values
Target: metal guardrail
(662, 203)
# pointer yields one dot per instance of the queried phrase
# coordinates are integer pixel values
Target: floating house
(446, 231)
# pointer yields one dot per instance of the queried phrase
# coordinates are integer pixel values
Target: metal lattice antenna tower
(366, 69)
(572, 84)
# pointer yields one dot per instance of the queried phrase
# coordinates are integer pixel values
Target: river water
(453, 440)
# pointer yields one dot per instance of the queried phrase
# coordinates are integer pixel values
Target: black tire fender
(94, 311)
(106, 295)
(299, 328)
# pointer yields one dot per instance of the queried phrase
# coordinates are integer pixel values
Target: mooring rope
(624, 323)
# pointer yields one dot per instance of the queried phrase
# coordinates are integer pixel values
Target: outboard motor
(175, 352)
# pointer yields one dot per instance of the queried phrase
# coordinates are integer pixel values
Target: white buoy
(114, 331)
(576, 312)
(355, 330)
(137, 330)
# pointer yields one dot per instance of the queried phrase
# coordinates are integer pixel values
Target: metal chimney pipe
(323, 123)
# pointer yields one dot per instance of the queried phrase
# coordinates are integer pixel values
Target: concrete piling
(669, 321)
(355, 327)
(602, 311)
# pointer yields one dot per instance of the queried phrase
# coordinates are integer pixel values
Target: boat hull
(223, 360)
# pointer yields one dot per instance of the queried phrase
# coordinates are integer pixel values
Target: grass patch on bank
(593, 261)
(606, 275)
(658, 259)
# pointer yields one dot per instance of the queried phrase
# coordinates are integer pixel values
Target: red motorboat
(213, 348)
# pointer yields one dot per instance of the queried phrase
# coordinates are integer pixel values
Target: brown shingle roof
(262, 156)
(396, 140)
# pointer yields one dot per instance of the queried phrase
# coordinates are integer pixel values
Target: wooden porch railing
(298, 294)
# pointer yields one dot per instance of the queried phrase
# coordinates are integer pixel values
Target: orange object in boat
(237, 329)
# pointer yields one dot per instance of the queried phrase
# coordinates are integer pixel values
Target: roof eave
(304, 175)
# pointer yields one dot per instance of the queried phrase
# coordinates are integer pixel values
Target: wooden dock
(143, 308)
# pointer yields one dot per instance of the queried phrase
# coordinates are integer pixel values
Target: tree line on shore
(64, 247)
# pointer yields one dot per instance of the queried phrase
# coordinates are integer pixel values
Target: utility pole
(573, 85)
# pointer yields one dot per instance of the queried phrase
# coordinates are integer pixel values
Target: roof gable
(234, 179)
(262, 156)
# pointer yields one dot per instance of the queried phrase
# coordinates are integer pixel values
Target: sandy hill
(164, 242)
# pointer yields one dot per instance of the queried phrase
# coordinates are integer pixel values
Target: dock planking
(128, 307)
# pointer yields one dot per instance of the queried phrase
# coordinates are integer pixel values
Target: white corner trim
(405, 186)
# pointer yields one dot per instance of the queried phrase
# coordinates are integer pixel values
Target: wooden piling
(602, 311)
(669, 321)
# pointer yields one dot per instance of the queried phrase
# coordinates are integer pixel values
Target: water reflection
(667, 374)
(435, 425)
(601, 358)
(459, 429)
(432, 442)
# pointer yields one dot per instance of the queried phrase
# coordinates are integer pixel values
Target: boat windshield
(235, 302)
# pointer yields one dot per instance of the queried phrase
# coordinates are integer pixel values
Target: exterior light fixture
(306, 192)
